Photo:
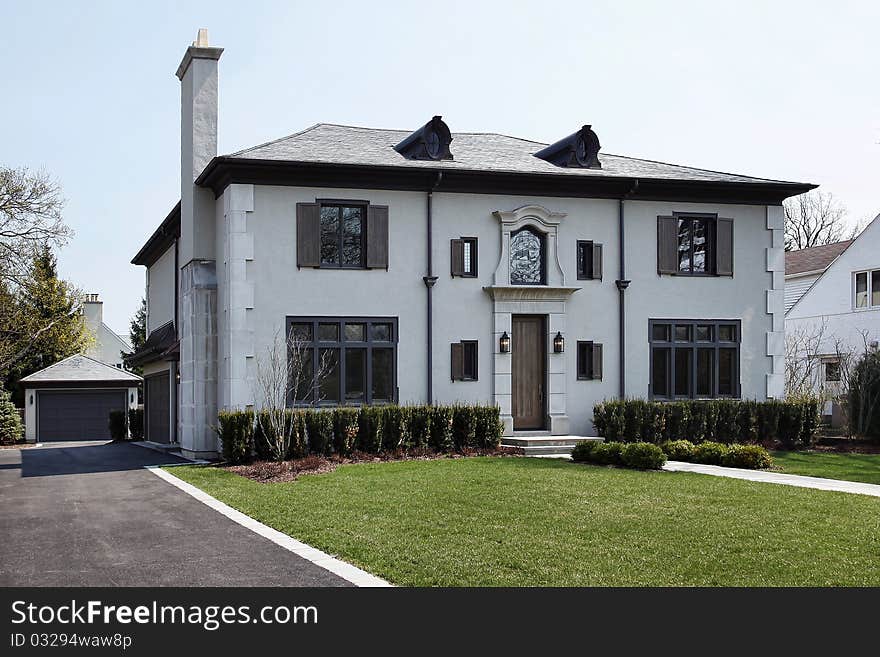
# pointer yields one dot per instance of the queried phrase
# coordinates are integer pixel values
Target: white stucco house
(838, 314)
(108, 346)
(436, 266)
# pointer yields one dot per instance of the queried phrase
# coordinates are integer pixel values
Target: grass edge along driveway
(520, 522)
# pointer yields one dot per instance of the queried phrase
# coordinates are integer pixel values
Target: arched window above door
(528, 257)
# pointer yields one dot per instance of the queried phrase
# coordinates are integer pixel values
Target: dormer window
(580, 150)
(430, 142)
(527, 257)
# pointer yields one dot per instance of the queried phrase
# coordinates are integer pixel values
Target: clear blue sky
(778, 89)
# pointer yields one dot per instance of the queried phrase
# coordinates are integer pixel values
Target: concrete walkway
(818, 483)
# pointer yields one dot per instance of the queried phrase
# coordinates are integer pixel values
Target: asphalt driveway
(88, 514)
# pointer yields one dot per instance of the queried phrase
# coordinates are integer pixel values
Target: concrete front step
(545, 445)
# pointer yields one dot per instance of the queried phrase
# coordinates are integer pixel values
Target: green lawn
(520, 521)
(850, 467)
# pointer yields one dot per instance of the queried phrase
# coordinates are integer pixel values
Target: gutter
(430, 279)
(622, 284)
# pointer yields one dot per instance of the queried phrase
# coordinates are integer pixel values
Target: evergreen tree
(48, 320)
(137, 330)
(10, 422)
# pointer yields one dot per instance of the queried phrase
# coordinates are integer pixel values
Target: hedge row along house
(438, 267)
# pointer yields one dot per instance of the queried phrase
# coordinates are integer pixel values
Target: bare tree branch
(815, 219)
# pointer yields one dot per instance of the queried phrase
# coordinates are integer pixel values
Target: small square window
(355, 333)
(832, 371)
(704, 333)
(328, 332)
(380, 332)
(727, 333)
(682, 333)
(660, 333)
(301, 332)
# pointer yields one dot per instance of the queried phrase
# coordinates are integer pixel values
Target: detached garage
(72, 399)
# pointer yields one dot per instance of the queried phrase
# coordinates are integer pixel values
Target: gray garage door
(158, 407)
(79, 415)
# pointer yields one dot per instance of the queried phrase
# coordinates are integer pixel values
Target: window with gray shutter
(465, 362)
(589, 360)
(589, 260)
(377, 237)
(463, 257)
(308, 235)
(724, 247)
(667, 245)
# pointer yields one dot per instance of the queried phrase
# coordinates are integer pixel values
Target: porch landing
(544, 444)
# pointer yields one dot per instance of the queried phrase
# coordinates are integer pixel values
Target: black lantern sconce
(32, 399)
(177, 377)
(558, 343)
(504, 343)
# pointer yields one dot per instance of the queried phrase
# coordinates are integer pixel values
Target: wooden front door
(528, 374)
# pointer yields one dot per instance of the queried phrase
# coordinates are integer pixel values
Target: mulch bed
(16, 445)
(841, 445)
(273, 472)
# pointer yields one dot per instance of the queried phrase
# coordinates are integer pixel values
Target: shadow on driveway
(81, 458)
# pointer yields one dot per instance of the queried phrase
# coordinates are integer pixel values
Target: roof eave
(225, 170)
(161, 239)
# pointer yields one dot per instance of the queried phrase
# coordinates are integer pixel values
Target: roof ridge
(275, 141)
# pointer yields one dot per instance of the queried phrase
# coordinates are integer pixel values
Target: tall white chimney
(198, 145)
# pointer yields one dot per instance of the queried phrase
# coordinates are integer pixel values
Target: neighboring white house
(416, 258)
(804, 266)
(839, 313)
(108, 346)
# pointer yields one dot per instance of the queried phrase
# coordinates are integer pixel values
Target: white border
(340, 568)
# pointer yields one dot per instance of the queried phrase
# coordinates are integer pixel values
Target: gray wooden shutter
(308, 235)
(457, 361)
(667, 245)
(457, 257)
(597, 360)
(597, 261)
(724, 247)
(377, 236)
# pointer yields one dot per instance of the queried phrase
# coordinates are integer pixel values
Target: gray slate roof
(329, 143)
(80, 368)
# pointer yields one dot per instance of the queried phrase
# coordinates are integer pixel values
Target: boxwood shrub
(710, 453)
(751, 457)
(136, 423)
(117, 425)
(643, 456)
(678, 450)
(792, 423)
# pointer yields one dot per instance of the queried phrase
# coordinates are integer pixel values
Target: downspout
(429, 280)
(622, 283)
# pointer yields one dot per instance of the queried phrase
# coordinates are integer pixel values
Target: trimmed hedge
(678, 450)
(136, 423)
(792, 423)
(642, 456)
(369, 429)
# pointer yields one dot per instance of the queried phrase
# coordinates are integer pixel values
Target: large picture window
(694, 359)
(357, 359)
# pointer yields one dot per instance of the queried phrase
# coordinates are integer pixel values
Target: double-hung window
(867, 289)
(342, 360)
(694, 359)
